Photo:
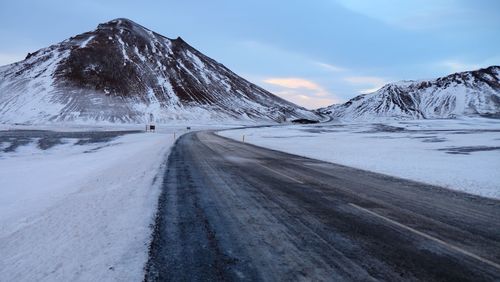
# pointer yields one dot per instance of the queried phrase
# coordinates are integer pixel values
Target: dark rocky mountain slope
(122, 72)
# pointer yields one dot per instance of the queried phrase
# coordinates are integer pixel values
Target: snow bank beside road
(462, 155)
(80, 212)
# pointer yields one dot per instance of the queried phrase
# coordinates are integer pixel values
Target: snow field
(80, 212)
(462, 154)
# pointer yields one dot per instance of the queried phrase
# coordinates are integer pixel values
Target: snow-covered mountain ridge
(122, 72)
(470, 93)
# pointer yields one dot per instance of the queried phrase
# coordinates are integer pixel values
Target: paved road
(233, 211)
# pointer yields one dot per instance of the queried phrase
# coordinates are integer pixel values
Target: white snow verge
(71, 215)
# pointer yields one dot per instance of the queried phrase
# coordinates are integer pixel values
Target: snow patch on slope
(461, 94)
(86, 41)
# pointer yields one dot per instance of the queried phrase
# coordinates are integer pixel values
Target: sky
(313, 53)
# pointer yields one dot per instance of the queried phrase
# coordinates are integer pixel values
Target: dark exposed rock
(121, 71)
(305, 121)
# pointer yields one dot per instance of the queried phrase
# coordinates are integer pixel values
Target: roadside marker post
(243, 138)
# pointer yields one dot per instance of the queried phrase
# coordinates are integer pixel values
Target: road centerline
(282, 174)
(427, 236)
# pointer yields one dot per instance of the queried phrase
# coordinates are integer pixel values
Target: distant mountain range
(470, 93)
(123, 72)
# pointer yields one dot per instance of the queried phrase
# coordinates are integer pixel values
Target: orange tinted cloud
(301, 91)
(294, 83)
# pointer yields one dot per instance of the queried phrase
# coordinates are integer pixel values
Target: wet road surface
(234, 211)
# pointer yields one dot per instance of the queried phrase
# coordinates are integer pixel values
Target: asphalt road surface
(233, 211)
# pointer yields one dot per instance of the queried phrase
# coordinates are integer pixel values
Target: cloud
(452, 65)
(294, 83)
(458, 66)
(369, 84)
(365, 80)
(304, 99)
(330, 67)
(412, 14)
(302, 91)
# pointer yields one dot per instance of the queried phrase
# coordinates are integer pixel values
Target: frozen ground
(177, 126)
(78, 206)
(459, 154)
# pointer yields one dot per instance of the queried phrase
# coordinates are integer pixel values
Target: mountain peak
(466, 93)
(179, 39)
(121, 22)
(121, 72)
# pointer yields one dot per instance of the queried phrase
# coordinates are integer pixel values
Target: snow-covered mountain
(460, 94)
(122, 72)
